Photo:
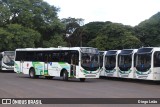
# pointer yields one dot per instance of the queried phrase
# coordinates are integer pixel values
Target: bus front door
(73, 70)
(73, 65)
(45, 69)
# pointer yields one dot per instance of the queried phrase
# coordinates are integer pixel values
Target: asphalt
(14, 85)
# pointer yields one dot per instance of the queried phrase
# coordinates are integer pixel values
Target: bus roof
(148, 49)
(128, 51)
(59, 48)
(7, 52)
(112, 52)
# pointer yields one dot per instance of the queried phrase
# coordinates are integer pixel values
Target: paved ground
(14, 85)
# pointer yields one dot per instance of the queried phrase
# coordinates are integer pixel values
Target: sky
(127, 12)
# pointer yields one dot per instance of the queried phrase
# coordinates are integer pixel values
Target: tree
(76, 39)
(148, 31)
(115, 36)
(55, 41)
(73, 30)
(16, 36)
(4, 14)
(34, 14)
(91, 30)
(99, 42)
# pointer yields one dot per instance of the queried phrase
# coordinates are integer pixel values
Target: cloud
(129, 12)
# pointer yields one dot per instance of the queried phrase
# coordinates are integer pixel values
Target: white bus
(111, 63)
(75, 62)
(126, 63)
(101, 56)
(7, 60)
(148, 63)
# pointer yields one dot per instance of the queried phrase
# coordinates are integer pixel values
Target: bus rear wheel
(65, 75)
(32, 73)
(82, 79)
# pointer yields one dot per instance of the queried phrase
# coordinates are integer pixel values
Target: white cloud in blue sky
(128, 12)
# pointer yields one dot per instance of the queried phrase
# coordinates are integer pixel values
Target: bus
(7, 60)
(148, 63)
(126, 65)
(101, 56)
(65, 62)
(111, 63)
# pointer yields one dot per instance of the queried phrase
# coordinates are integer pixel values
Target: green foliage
(55, 41)
(94, 27)
(76, 39)
(16, 36)
(34, 23)
(4, 14)
(91, 31)
(71, 24)
(73, 31)
(33, 15)
(99, 42)
(148, 31)
(114, 36)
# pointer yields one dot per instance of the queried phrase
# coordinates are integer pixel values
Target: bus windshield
(90, 61)
(125, 62)
(8, 58)
(143, 62)
(110, 62)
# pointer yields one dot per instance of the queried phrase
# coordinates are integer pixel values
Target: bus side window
(45, 57)
(55, 56)
(49, 57)
(66, 57)
(39, 56)
(20, 55)
(75, 58)
(62, 57)
(157, 59)
(29, 56)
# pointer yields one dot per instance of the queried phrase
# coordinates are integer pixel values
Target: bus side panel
(105, 73)
(17, 67)
(102, 72)
(38, 66)
(63, 65)
(54, 69)
(79, 73)
(156, 74)
(26, 66)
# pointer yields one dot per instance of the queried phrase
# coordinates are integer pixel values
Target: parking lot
(14, 85)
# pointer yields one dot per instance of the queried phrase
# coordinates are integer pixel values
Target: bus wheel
(82, 79)
(32, 73)
(48, 77)
(65, 75)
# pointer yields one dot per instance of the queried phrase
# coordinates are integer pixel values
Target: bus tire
(32, 73)
(48, 77)
(82, 79)
(65, 75)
